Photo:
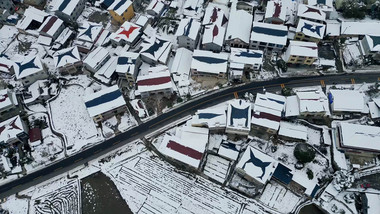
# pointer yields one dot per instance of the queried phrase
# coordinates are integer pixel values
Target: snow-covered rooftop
(215, 13)
(374, 108)
(325, 5)
(5, 100)
(128, 32)
(246, 56)
(65, 6)
(373, 205)
(257, 165)
(210, 117)
(214, 33)
(155, 81)
(360, 28)
(28, 66)
(373, 43)
(182, 62)
(188, 27)
(189, 148)
(51, 25)
(228, 150)
(96, 57)
(120, 6)
(276, 9)
(66, 56)
(142, 21)
(239, 25)
(31, 14)
(312, 29)
(332, 28)
(6, 64)
(268, 110)
(293, 130)
(89, 31)
(269, 33)
(209, 62)
(357, 136)
(64, 36)
(313, 101)
(298, 48)
(10, 128)
(156, 49)
(104, 100)
(347, 101)
(292, 108)
(126, 62)
(155, 5)
(239, 115)
(311, 12)
(105, 72)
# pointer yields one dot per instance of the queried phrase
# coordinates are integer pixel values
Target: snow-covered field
(71, 118)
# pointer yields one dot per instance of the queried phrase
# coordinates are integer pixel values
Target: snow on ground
(278, 197)
(140, 108)
(22, 48)
(149, 184)
(313, 136)
(15, 205)
(7, 35)
(37, 108)
(71, 118)
(127, 121)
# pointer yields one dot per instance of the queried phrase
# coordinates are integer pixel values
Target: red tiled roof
(129, 31)
(49, 24)
(154, 81)
(184, 150)
(35, 134)
(264, 115)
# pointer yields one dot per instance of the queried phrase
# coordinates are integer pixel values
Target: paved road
(166, 118)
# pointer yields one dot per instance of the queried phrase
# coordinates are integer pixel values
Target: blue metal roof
(105, 98)
(209, 60)
(249, 54)
(63, 5)
(269, 31)
(208, 115)
(277, 101)
(237, 113)
(107, 3)
(68, 53)
(316, 188)
(283, 174)
(258, 163)
(122, 60)
(28, 65)
(187, 28)
(229, 145)
(311, 28)
(121, 2)
(88, 31)
(155, 46)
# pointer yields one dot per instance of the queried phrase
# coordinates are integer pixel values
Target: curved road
(168, 117)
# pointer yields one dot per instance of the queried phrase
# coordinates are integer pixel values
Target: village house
(29, 69)
(156, 50)
(188, 149)
(89, 33)
(51, 27)
(127, 34)
(96, 59)
(68, 61)
(155, 8)
(207, 63)
(267, 112)
(67, 10)
(252, 60)
(312, 102)
(347, 102)
(292, 131)
(301, 53)
(121, 11)
(309, 31)
(275, 12)
(214, 22)
(105, 103)
(7, 66)
(311, 13)
(31, 21)
(239, 117)
(157, 81)
(9, 106)
(359, 28)
(256, 167)
(188, 33)
(239, 28)
(127, 68)
(268, 37)
(371, 45)
(11, 130)
(358, 140)
(212, 118)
